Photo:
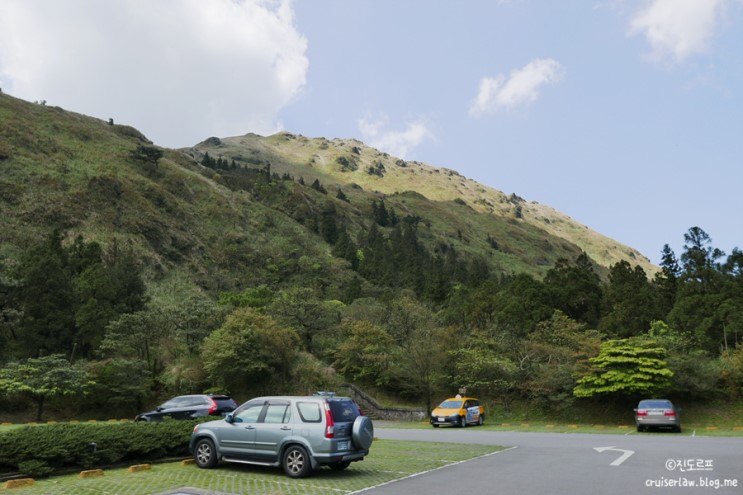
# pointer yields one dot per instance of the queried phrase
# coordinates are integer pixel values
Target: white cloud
(677, 29)
(397, 143)
(179, 70)
(521, 87)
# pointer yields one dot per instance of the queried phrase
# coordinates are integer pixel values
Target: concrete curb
(19, 483)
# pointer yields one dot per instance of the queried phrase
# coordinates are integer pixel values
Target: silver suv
(299, 434)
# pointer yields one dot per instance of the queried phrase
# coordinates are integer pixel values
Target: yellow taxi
(458, 411)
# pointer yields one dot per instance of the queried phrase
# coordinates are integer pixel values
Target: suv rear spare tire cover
(363, 432)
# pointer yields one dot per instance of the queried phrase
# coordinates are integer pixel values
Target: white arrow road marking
(625, 454)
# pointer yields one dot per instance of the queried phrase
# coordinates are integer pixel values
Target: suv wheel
(481, 421)
(462, 421)
(362, 432)
(205, 454)
(296, 462)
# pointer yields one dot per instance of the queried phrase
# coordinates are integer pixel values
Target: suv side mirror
(229, 418)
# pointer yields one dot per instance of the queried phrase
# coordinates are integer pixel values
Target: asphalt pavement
(577, 464)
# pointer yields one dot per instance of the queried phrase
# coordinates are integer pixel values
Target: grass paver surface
(389, 460)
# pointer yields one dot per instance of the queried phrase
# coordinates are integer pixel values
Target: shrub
(39, 450)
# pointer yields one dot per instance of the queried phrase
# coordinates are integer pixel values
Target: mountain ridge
(361, 164)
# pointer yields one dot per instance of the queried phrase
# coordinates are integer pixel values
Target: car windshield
(451, 404)
(655, 404)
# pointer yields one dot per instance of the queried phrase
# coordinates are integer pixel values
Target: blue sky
(626, 115)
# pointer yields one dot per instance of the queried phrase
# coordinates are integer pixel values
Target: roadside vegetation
(131, 273)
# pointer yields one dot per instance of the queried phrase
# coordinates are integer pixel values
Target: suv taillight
(329, 423)
(642, 412)
(670, 413)
(213, 407)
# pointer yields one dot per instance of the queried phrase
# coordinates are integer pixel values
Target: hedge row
(40, 450)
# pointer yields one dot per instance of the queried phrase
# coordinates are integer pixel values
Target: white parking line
(429, 471)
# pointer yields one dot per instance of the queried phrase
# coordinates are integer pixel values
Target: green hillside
(65, 170)
(284, 264)
(76, 173)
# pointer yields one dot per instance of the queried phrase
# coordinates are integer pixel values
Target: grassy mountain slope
(506, 218)
(65, 170)
(208, 230)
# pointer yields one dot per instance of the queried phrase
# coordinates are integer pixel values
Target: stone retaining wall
(375, 409)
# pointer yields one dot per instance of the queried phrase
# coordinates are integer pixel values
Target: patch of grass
(389, 460)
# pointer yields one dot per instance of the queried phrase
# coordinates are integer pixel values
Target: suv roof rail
(324, 393)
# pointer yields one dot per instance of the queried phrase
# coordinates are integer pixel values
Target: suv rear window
(343, 410)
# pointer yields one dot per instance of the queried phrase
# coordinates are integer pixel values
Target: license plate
(655, 413)
(343, 445)
(442, 419)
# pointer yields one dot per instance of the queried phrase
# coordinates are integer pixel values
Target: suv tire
(462, 421)
(296, 462)
(205, 454)
(362, 433)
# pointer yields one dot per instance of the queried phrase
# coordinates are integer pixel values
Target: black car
(190, 407)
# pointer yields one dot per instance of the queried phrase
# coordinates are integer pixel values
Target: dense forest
(120, 285)
(77, 320)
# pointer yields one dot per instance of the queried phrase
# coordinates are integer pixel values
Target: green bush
(39, 450)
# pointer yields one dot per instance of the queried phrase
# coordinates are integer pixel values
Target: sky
(626, 115)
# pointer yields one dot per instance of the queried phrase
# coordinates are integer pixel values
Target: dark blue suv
(190, 407)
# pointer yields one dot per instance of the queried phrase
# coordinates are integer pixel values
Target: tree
(121, 384)
(481, 368)
(731, 372)
(10, 313)
(46, 299)
(252, 297)
(301, 309)
(328, 225)
(553, 355)
(626, 367)
(250, 351)
(69, 294)
(147, 154)
(522, 304)
(695, 372)
(629, 302)
(700, 309)
(366, 352)
(420, 367)
(143, 335)
(699, 257)
(42, 379)
(345, 248)
(576, 289)
(666, 281)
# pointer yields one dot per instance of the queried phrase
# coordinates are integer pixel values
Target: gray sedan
(657, 413)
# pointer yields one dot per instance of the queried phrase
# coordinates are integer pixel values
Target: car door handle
(286, 428)
(250, 427)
